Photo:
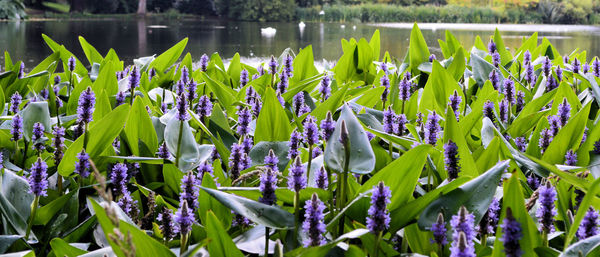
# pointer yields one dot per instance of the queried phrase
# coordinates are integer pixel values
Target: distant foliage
(202, 7)
(262, 10)
(12, 9)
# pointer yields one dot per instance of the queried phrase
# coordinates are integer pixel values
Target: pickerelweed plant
(487, 151)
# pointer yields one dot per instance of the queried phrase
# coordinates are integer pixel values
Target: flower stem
(179, 144)
(184, 242)
(377, 242)
(34, 206)
(297, 215)
(266, 242)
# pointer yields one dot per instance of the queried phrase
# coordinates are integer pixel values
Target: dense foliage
(489, 151)
(12, 9)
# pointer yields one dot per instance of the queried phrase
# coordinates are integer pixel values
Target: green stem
(85, 136)
(59, 184)
(24, 153)
(70, 84)
(34, 206)
(403, 102)
(184, 243)
(296, 215)
(179, 144)
(545, 238)
(391, 150)
(377, 242)
(383, 108)
(310, 150)
(266, 241)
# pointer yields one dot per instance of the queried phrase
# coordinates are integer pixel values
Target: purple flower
(545, 139)
(247, 144)
(82, 166)
(288, 65)
(432, 129)
(296, 179)
(551, 84)
(529, 75)
(271, 160)
(261, 70)
(87, 100)
(559, 73)
(564, 112)
(463, 222)
(566, 59)
(204, 107)
(167, 227)
(488, 110)
(455, 100)
(283, 83)
(244, 118)
(322, 179)
(235, 160)
(272, 65)
(128, 205)
(495, 79)
(404, 89)
(462, 247)
(44, 93)
(576, 65)
(268, 184)
(189, 191)
(311, 131)
(439, 231)
(120, 98)
(298, 103)
(15, 101)
(203, 168)
(388, 120)
(511, 234)
(385, 82)
(379, 216)
(56, 79)
(492, 46)
(451, 159)
(203, 62)
(520, 102)
(526, 56)
(327, 127)
(554, 122)
(399, 127)
(37, 137)
(184, 218)
(313, 224)
(325, 88)
(596, 67)
(38, 178)
(504, 110)
(546, 67)
(521, 143)
(383, 66)
(589, 225)
(293, 144)
(546, 212)
(134, 79)
(58, 142)
(71, 63)
(182, 106)
(533, 182)
(596, 147)
(496, 59)
(509, 90)
(151, 74)
(21, 73)
(163, 152)
(585, 68)
(191, 88)
(243, 78)
(119, 178)
(571, 158)
(17, 128)
(431, 57)
(185, 75)
(179, 87)
(493, 213)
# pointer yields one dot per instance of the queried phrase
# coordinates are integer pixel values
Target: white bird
(301, 24)
(343, 26)
(354, 27)
(322, 12)
(268, 32)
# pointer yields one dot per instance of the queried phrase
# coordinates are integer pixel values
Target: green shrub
(262, 10)
(12, 9)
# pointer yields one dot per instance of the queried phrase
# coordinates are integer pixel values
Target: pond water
(133, 38)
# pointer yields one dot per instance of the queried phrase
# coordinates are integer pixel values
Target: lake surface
(134, 38)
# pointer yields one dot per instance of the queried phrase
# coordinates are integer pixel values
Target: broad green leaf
(135, 130)
(220, 243)
(169, 57)
(272, 123)
(182, 144)
(91, 53)
(418, 50)
(62, 248)
(33, 113)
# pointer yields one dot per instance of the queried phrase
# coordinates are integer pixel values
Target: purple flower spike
(87, 100)
(492, 46)
(272, 65)
(551, 83)
(235, 160)
(511, 234)
(203, 62)
(404, 89)
(288, 67)
(526, 56)
(495, 79)
(589, 225)
(71, 63)
(283, 83)
(163, 152)
(294, 143)
(204, 107)
(17, 128)
(119, 179)
(322, 179)
(167, 227)
(313, 224)
(545, 139)
(185, 75)
(271, 160)
(243, 78)
(451, 159)
(559, 73)
(462, 247)
(585, 68)
(151, 74)
(576, 66)
(56, 79)
(503, 110)
(432, 57)
(327, 126)
(521, 143)
(191, 89)
(529, 75)
(385, 82)
(36, 137)
(571, 158)
(298, 103)
(268, 184)
(596, 67)
(58, 142)
(379, 216)
(244, 119)
(554, 122)
(189, 191)
(432, 128)
(383, 66)
(520, 102)
(21, 73)
(38, 178)
(325, 88)
(566, 59)
(564, 112)
(400, 126)
(182, 105)
(439, 231)
(546, 212)
(134, 79)
(496, 59)
(82, 166)
(509, 90)
(120, 98)
(463, 222)
(15, 101)
(296, 179)
(546, 66)
(455, 100)
(179, 87)
(311, 131)
(184, 218)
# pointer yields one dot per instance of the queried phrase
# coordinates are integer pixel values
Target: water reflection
(135, 38)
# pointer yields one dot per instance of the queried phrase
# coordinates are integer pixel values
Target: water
(134, 38)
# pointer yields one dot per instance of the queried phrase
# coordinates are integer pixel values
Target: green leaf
(35, 112)
(91, 53)
(453, 131)
(225, 95)
(259, 213)
(362, 157)
(15, 201)
(136, 130)
(49, 210)
(568, 137)
(220, 244)
(62, 248)
(272, 123)
(476, 195)
(259, 151)
(180, 140)
(418, 50)
(168, 58)
(6, 241)
(583, 206)
(582, 248)
(438, 89)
